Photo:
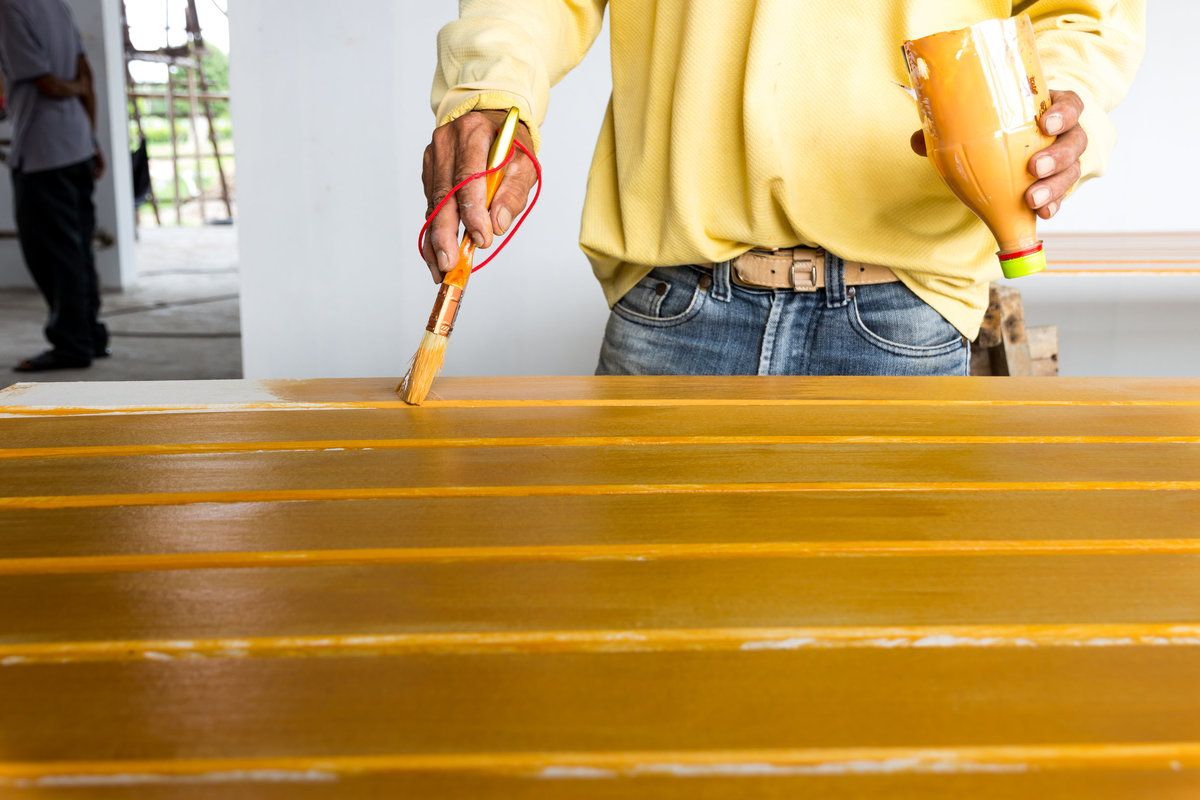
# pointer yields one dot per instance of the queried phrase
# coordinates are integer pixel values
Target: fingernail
(1054, 123)
(1040, 196)
(443, 261)
(502, 219)
(1052, 208)
(1043, 166)
(477, 238)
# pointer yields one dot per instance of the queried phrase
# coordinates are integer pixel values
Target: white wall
(1150, 183)
(1137, 324)
(99, 22)
(331, 116)
(12, 268)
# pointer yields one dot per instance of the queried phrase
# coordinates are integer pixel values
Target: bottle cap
(1019, 263)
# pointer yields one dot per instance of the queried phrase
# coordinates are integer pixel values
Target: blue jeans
(694, 321)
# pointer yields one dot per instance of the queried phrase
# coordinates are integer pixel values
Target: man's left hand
(1057, 167)
(98, 164)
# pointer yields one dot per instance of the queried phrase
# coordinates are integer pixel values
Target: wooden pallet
(1005, 346)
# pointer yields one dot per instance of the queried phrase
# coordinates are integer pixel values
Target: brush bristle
(426, 364)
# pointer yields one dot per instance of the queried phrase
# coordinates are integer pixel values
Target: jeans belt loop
(804, 269)
(721, 290)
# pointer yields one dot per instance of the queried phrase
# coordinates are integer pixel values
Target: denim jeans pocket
(666, 297)
(891, 317)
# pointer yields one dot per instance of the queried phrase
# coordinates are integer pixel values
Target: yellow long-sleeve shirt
(770, 123)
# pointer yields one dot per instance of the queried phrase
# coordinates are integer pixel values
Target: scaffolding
(186, 83)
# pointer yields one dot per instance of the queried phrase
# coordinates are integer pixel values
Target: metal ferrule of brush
(445, 310)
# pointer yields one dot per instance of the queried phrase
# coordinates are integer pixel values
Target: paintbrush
(427, 362)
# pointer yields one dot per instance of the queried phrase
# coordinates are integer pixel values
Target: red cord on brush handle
(537, 168)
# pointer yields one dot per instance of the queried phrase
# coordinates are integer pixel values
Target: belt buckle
(804, 270)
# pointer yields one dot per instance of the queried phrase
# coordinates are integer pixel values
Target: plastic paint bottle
(980, 91)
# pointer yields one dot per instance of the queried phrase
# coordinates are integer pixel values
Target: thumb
(513, 194)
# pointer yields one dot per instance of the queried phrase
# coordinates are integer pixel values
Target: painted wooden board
(69, 399)
(453, 706)
(312, 429)
(534, 471)
(561, 588)
(777, 784)
(869, 521)
(761, 783)
(1157, 253)
(767, 596)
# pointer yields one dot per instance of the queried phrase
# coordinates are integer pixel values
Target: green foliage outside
(154, 111)
(156, 128)
(216, 72)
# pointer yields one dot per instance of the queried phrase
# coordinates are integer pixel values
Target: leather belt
(801, 269)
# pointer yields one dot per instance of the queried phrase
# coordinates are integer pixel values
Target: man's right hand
(57, 88)
(460, 149)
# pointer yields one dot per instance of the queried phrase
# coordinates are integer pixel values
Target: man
(753, 205)
(55, 162)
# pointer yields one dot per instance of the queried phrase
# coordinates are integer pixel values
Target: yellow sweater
(769, 123)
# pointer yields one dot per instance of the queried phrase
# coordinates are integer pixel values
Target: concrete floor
(179, 322)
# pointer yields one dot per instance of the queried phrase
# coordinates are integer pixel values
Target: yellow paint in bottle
(981, 92)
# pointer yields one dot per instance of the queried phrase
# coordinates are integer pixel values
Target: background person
(55, 162)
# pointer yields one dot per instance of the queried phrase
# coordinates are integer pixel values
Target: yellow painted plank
(707, 551)
(67, 399)
(1083, 390)
(610, 596)
(615, 425)
(439, 706)
(1163, 772)
(631, 521)
(642, 640)
(266, 496)
(860, 465)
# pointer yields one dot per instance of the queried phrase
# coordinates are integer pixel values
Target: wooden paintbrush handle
(461, 272)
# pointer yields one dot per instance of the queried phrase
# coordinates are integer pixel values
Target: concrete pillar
(100, 24)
